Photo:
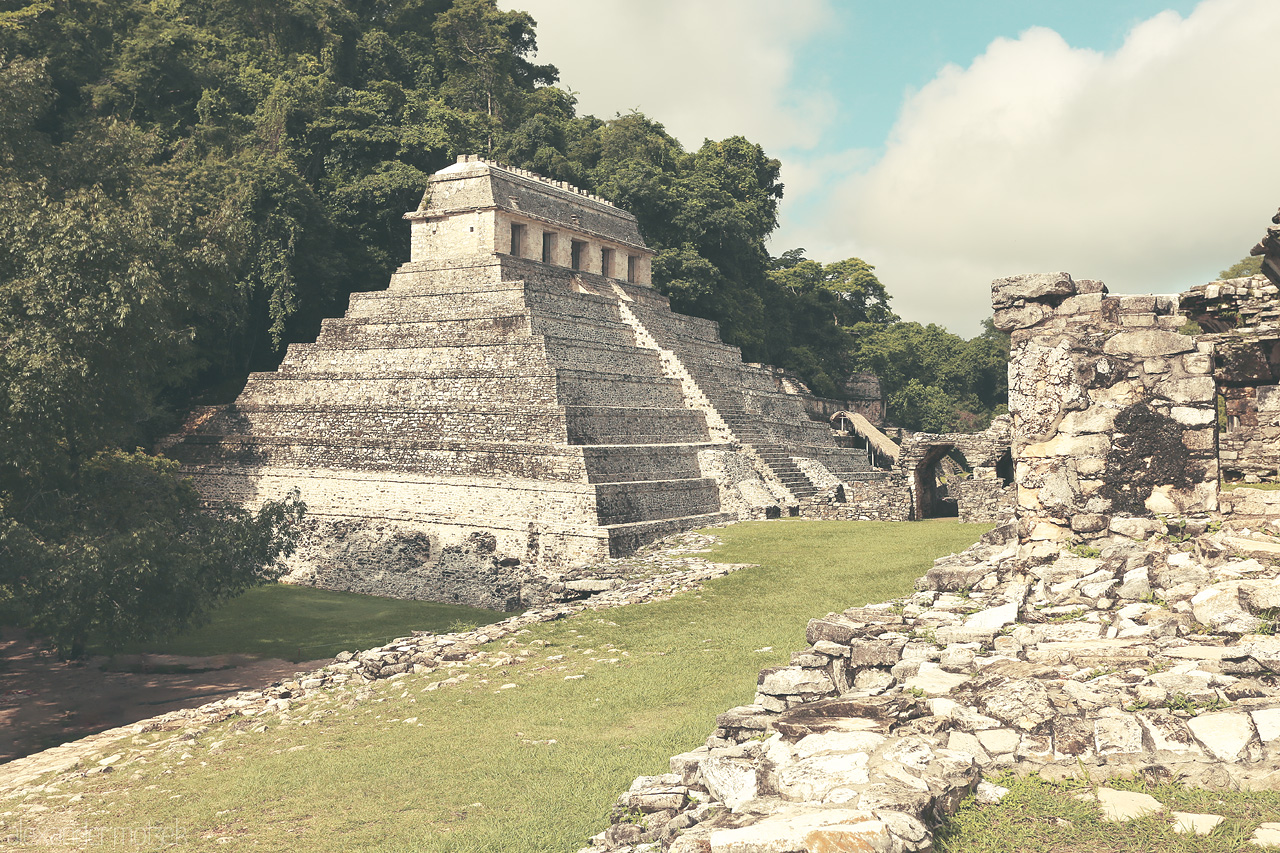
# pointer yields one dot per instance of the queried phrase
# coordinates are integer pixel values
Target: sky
(951, 142)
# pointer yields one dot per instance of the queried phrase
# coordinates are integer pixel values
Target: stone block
(1021, 317)
(1034, 286)
(1126, 805)
(1146, 343)
(793, 680)
(732, 781)
(1117, 735)
(1225, 735)
(1089, 522)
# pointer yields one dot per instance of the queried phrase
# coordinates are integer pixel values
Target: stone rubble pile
(1157, 657)
(656, 573)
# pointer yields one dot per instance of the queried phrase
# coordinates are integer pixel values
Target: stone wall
(1114, 415)
(1241, 317)
(984, 495)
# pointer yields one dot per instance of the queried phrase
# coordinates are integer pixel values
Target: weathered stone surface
(1148, 342)
(1224, 735)
(993, 619)
(833, 629)
(1035, 286)
(1020, 702)
(1219, 607)
(812, 779)
(1187, 823)
(1117, 735)
(791, 680)
(1126, 805)
(1253, 547)
(1266, 835)
(866, 835)
(730, 780)
(838, 742)
(1163, 732)
(783, 833)
(1267, 723)
(933, 680)
(999, 741)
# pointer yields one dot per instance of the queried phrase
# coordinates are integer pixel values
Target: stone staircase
(742, 402)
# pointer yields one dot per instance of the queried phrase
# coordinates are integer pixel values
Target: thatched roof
(864, 428)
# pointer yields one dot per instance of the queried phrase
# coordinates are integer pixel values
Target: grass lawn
(300, 623)
(1043, 817)
(521, 755)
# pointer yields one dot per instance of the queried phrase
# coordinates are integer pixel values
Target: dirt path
(44, 702)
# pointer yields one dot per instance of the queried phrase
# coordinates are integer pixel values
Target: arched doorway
(941, 464)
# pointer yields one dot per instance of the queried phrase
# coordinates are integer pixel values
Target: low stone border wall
(654, 575)
(1156, 657)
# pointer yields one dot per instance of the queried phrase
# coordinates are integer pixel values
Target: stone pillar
(1114, 414)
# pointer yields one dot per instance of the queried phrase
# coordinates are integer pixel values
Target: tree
(104, 261)
(124, 551)
(933, 380)
(485, 53)
(1243, 268)
(859, 295)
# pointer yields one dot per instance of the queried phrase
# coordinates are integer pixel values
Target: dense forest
(188, 185)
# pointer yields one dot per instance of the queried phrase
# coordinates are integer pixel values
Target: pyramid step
(627, 538)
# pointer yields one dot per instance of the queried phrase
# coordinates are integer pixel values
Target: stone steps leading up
(627, 502)
(626, 539)
(613, 424)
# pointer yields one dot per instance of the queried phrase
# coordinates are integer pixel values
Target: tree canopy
(1243, 268)
(933, 380)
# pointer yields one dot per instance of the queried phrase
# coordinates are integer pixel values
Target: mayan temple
(519, 400)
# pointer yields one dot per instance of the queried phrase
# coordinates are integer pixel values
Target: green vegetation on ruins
(1243, 268)
(1038, 816)
(474, 765)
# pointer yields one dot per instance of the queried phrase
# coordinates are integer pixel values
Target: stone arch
(932, 499)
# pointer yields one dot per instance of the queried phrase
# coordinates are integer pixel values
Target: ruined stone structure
(1242, 320)
(1152, 655)
(983, 493)
(923, 478)
(1113, 408)
(518, 401)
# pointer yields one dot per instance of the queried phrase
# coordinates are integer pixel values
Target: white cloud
(1150, 168)
(706, 69)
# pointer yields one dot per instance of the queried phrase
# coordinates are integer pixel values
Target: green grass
(476, 771)
(1044, 817)
(300, 623)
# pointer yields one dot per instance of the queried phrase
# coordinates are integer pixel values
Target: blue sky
(874, 53)
(949, 142)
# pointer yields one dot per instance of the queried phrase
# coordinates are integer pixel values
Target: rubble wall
(1114, 411)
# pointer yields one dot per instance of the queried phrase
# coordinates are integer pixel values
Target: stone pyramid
(518, 401)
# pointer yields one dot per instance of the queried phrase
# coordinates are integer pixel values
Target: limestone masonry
(518, 401)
